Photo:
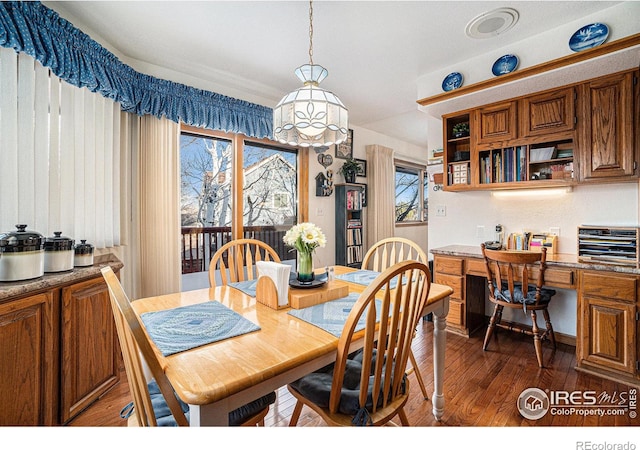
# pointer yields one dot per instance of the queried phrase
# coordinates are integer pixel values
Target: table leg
(208, 415)
(439, 345)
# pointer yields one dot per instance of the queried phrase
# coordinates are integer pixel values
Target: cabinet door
(547, 113)
(496, 123)
(89, 356)
(607, 127)
(28, 361)
(607, 334)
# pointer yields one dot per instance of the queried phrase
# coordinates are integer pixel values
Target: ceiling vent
(492, 23)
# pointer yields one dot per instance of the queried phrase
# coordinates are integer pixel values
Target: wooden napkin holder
(267, 294)
(332, 290)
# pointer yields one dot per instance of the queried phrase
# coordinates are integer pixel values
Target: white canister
(58, 253)
(21, 255)
(83, 256)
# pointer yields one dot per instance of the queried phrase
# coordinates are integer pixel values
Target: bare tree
(407, 183)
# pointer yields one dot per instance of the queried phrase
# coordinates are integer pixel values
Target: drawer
(456, 313)
(476, 267)
(618, 287)
(560, 278)
(454, 282)
(452, 266)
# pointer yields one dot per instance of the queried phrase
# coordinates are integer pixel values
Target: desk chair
(370, 386)
(384, 254)
(236, 260)
(507, 272)
(155, 403)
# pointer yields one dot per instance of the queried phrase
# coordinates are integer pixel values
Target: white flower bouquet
(305, 237)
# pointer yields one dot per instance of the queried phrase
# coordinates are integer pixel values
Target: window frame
(424, 186)
(238, 141)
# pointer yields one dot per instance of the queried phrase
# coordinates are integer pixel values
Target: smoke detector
(492, 23)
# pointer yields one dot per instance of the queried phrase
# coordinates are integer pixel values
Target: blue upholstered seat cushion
(317, 386)
(530, 299)
(165, 418)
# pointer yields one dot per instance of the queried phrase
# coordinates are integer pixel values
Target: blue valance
(73, 56)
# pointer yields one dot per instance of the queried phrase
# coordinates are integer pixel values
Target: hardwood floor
(481, 388)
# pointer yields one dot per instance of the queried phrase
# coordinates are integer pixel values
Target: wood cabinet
(496, 123)
(58, 347)
(607, 322)
(578, 133)
(89, 346)
(607, 146)
(549, 112)
(466, 311)
(350, 201)
(28, 363)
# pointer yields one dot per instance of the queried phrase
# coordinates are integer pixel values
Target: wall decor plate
(588, 37)
(504, 65)
(452, 81)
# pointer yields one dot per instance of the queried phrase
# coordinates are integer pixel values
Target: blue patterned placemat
(248, 287)
(365, 277)
(186, 327)
(331, 316)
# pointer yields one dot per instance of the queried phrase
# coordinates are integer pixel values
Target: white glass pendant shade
(310, 116)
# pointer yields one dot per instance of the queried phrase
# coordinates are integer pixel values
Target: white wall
(322, 209)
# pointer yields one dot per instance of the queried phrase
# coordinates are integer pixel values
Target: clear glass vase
(305, 267)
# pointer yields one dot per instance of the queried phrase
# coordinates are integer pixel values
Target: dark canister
(83, 254)
(21, 254)
(58, 253)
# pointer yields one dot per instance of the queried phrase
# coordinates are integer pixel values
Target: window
(411, 193)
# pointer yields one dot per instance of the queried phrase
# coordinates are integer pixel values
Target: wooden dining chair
(370, 386)
(507, 272)
(236, 260)
(155, 403)
(384, 254)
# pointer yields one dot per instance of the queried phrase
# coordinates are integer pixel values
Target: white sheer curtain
(59, 155)
(158, 188)
(381, 193)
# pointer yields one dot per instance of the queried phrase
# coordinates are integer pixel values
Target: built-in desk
(607, 298)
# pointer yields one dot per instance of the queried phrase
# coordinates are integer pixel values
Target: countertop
(568, 260)
(15, 289)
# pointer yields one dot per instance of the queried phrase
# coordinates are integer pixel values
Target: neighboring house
(269, 194)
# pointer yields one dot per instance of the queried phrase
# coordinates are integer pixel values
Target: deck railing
(199, 244)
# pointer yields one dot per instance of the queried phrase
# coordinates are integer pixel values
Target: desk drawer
(454, 282)
(476, 267)
(444, 264)
(619, 287)
(560, 278)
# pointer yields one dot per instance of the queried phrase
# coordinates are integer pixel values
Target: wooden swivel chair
(384, 254)
(507, 273)
(236, 260)
(370, 386)
(155, 403)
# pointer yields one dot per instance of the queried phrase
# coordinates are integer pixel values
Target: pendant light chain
(311, 32)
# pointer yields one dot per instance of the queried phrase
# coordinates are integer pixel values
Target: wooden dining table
(217, 378)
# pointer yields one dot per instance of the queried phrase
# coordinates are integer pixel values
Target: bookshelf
(349, 224)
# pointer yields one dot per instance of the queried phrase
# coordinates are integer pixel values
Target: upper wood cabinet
(496, 123)
(607, 130)
(549, 112)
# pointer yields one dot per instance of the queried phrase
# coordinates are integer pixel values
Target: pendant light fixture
(310, 116)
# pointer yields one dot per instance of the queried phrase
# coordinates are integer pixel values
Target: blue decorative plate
(505, 64)
(588, 37)
(452, 81)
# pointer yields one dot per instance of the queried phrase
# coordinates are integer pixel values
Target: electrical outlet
(319, 212)
(480, 231)
(555, 231)
(441, 210)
